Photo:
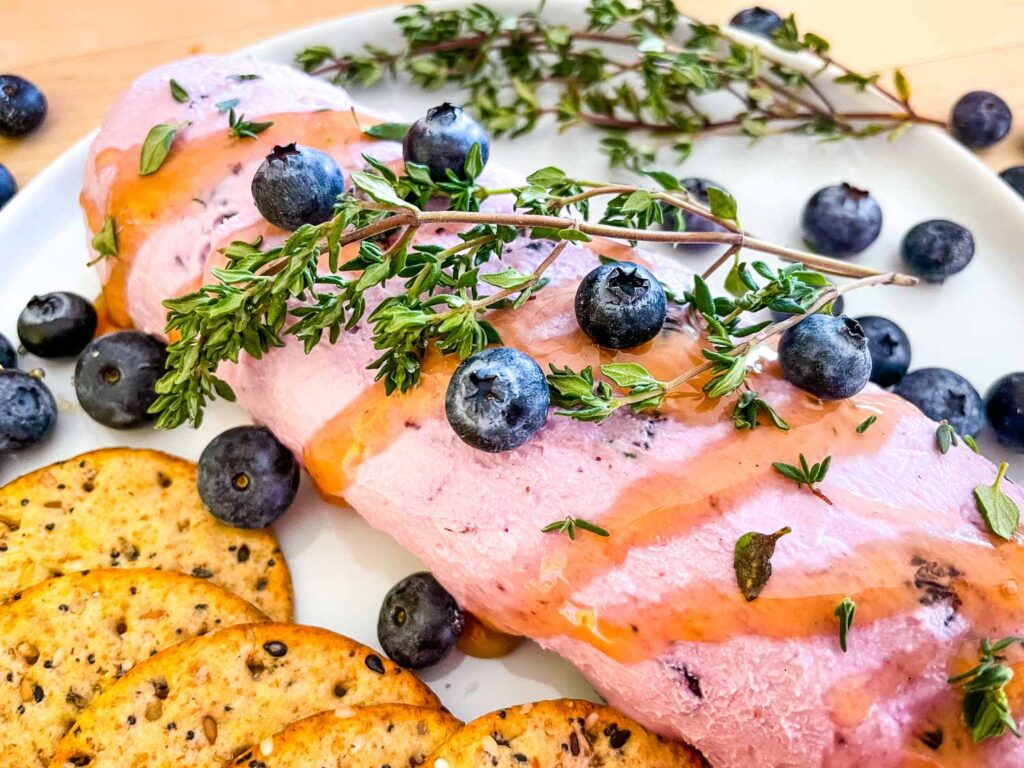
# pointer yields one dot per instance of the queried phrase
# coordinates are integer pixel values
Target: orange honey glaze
(141, 204)
(657, 509)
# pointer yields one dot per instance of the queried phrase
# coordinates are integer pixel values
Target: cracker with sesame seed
(207, 700)
(128, 508)
(67, 639)
(563, 733)
(356, 737)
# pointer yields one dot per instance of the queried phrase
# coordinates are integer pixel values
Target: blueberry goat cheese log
(651, 614)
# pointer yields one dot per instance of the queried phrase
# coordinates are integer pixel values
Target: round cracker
(207, 700)
(129, 508)
(563, 733)
(67, 639)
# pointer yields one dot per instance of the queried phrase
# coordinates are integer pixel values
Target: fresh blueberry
(442, 140)
(936, 249)
(1013, 176)
(297, 185)
(497, 399)
(116, 376)
(826, 356)
(57, 324)
(8, 355)
(943, 394)
(8, 186)
(758, 20)
(841, 220)
(837, 309)
(1004, 406)
(247, 478)
(889, 348)
(27, 410)
(980, 119)
(419, 622)
(620, 305)
(22, 106)
(684, 221)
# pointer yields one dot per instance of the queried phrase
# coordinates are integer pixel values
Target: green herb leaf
(627, 374)
(105, 241)
(387, 131)
(985, 705)
(945, 437)
(845, 612)
(752, 561)
(971, 444)
(902, 85)
(180, 94)
(243, 78)
(156, 147)
(241, 128)
(998, 510)
(569, 526)
(227, 106)
(865, 425)
(379, 189)
(750, 407)
(722, 204)
(805, 474)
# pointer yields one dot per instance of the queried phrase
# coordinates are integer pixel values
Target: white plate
(342, 568)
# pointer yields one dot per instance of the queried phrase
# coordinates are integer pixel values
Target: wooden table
(82, 54)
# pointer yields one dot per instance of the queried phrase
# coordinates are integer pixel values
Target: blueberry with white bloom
(944, 395)
(497, 399)
(620, 305)
(22, 106)
(841, 220)
(826, 356)
(297, 185)
(937, 249)
(443, 139)
(28, 411)
(757, 20)
(980, 119)
(1004, 406)
(889, 348)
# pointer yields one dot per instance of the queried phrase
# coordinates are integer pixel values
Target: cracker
(128, 508)
(205, 701)
(563, 733)
(67, 639)
(398, 735)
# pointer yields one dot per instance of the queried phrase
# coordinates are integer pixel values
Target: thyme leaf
(845, 612)
(570, 525)
(998, 510)
(985, 705)
(241, 128)
(178, 93)
(806, 474)
(865, 425)
(156, 147)
(752, 561)
(105, 241)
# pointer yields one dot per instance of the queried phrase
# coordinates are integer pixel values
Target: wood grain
(84, 54)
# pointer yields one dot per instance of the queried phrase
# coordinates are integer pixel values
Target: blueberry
(620, 305)
(936, 249)
(837, 309)
(27, 410)
(943, 394)
(1013, 176)
(980, 119)
(758, 20)
(116, 376)
(442, 140)
(419, 622)
(8, 186)
(8, 355)
(247, 478)
(57, 324)
(497, 399)
(684, 221)
(841, 220)
(1004, 406)
(889, 348)
(826, 356)
(297, 185)
(22, 106)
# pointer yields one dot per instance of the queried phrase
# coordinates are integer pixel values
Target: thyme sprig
(570, 525)
(262, 295)
(632, 66)
(986, 707)
(806, 474)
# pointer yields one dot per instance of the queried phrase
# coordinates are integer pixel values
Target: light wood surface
(82, 53)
